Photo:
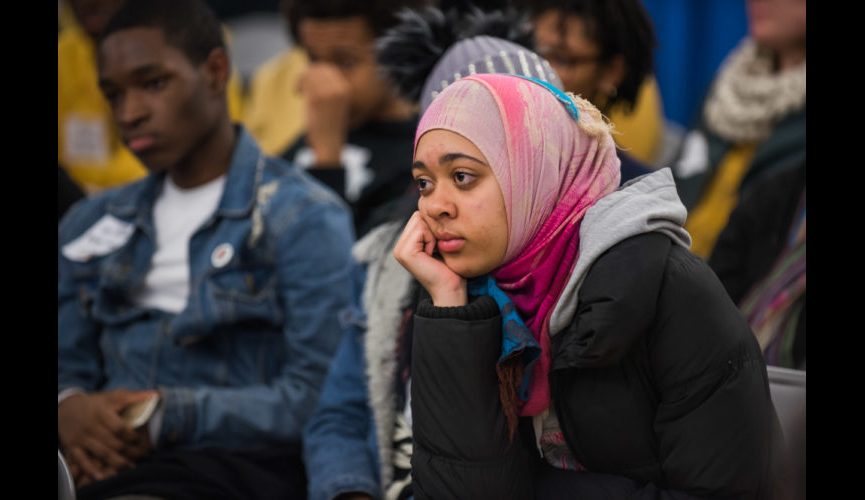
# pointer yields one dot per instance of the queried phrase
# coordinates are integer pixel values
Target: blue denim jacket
(349, 441)
(242, 365)
(340, 449)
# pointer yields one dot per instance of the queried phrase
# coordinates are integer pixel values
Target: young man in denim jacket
(216, 283)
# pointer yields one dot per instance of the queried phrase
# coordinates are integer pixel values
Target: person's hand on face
(328, 102)
(414, 250)
(97, 442)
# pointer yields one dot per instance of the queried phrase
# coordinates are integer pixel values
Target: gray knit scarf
(748, 98)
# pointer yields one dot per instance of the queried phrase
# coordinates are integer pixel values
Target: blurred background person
(752, 122)
(359, 130)
(603, 51)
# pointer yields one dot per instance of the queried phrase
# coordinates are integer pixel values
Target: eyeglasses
(567, 60)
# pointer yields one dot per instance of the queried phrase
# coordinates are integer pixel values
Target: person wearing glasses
(603, 51)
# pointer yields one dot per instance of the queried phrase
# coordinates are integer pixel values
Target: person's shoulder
(651, 248)
(653, 263)
(295, 182)
(72, 38)
(683, 265)
(632, 270)
(75, 60)
(291, 186)
(692, 289)
(89, 210)
(298, 211)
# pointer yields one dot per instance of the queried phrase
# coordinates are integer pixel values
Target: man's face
(348, 44)
(162, 103)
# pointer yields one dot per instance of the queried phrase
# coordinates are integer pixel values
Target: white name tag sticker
(85, 140)
(105, 236)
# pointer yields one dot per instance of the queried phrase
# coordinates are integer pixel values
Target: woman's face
(461, 202)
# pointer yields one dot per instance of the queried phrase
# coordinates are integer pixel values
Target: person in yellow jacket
(275, 111)
(641, 127)
(89, 147)
(602, 51)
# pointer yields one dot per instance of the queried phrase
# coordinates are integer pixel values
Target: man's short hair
(188, 25)
(379, 14)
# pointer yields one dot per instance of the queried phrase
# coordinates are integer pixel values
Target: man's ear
(217, 69)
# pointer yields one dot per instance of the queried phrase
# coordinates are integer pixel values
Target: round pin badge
(222, 255)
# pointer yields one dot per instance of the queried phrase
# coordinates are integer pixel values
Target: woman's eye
(422, 184)
(463, 178)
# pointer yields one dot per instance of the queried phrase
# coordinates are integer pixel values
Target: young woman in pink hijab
(571, 345)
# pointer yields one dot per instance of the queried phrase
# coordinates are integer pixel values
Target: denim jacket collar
(244, 175)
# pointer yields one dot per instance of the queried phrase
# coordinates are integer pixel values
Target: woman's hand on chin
(414, 251)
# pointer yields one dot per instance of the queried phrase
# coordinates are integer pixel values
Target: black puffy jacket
(659, 387)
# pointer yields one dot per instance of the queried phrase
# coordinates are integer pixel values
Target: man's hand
(328, 101)
(96, 440)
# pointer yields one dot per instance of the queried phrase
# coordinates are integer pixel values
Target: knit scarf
(749, 98)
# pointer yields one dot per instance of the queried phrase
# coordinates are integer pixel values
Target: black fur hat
(409, 51)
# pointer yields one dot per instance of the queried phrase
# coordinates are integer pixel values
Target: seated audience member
(603, 52)
(358, 129)
(213, 287)
(571, 345)
(752, 123)
(760, 259)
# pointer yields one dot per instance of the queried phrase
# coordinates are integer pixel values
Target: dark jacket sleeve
(461, 444)
(716, 427)
(757, 231)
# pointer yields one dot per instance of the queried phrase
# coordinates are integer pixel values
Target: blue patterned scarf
(517, 339)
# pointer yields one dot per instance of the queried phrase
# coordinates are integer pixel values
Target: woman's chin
(467, 270)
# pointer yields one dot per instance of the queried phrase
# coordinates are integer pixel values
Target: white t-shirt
(177, 214)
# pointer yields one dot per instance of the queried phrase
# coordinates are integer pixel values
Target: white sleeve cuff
(154, 425)
(65, 393)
